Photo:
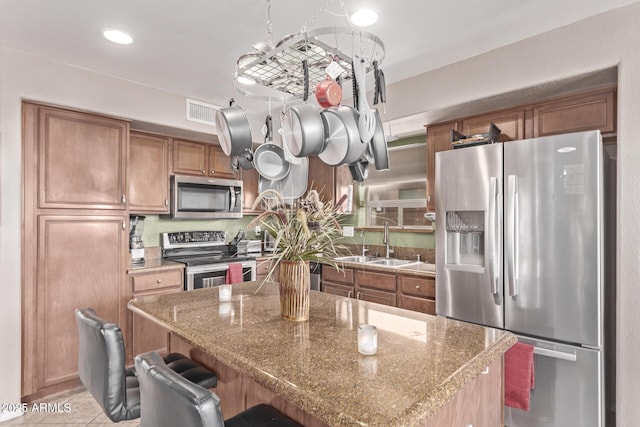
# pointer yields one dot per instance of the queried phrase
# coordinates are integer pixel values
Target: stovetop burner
(199, 248)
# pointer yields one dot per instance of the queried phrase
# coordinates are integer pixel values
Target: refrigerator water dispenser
(465, 240)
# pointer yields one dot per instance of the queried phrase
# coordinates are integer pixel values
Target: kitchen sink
(390, 262)
(419, 266)
(356, 258)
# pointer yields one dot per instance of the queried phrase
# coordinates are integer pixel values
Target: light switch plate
(347, 231)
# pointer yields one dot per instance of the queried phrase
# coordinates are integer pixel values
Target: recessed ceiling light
(117, 36)
(245, 80)
(364, 18)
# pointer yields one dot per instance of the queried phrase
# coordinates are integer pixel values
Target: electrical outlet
(257, 230)
(347, 231)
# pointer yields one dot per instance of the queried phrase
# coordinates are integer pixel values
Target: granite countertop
(421, 363)
(153, 264)
(387, 269)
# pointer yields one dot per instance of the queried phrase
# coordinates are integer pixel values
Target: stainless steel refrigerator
(519, 246)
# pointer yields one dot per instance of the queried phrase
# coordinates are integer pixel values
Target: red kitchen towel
(518, 376)
(234, 273)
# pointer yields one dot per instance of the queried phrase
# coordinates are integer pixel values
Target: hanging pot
(328, 93)
(234, 132)
(343, 139)
(303, 126)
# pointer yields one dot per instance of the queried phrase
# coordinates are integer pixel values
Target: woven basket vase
(295, 286)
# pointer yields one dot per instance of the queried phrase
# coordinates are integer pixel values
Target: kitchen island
(428, 370)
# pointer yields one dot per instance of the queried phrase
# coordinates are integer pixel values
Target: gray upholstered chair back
(101, 360)
(169, 400)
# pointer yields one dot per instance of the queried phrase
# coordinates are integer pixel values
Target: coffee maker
(136, 245)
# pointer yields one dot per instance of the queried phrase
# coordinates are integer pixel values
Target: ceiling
(190, 47)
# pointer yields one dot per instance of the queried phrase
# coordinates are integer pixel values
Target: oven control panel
(181, 239)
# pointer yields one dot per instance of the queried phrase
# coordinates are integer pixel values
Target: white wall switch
(347, 231)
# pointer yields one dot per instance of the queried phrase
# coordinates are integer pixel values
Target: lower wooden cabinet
(80, 263)
(417, 293)
(405, 290)
(478, 404)
(262, 269)
(144, 335)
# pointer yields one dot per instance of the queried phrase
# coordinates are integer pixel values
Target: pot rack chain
(325, 8)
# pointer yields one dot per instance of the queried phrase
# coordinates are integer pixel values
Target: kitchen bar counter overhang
(422, 361)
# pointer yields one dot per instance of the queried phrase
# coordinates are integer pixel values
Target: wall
(596, 43)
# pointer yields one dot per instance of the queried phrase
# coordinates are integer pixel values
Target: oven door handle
(211, 268)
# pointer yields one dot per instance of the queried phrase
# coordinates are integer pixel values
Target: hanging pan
(268, 158)
(303, 128)
(234, 132)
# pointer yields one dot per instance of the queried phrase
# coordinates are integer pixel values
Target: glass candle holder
(224, 293)
(367, 339)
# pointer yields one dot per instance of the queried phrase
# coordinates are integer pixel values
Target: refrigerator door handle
(493, 238)
(571, 357)
(512, 239)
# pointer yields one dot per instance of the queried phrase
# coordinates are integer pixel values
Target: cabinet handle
(166, 202)
(203, 172)
(358, 295)
(486, 371)
(417, 286)
(212, 172)
(349, 294)
(124, 226)
(123, 199)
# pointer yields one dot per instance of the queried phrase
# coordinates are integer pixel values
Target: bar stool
(101, 364)
(168, 400)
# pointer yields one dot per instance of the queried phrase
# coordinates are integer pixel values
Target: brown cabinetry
(263, 264)
(417, 293)
(338, 282)
(81, 160)
(588, 111)
(376, 287)
(196, 158)
(148, 173)
(144, 335)
(478, 404)
(80, 263)
(330, 182)
(75, 238)
(510, 123)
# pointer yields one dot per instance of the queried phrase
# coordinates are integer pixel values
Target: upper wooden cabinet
(82, 160)
(588, 111)
(438, 139)
(330, 182)
(249, 190)
(148, 173)
(510, 123)
(196, 158)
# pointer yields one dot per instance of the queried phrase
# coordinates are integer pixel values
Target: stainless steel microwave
(194, 197)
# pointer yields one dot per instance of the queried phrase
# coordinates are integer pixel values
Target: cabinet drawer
(157, 280)
(333, 275)
(419, 286)
(422, 305)
(341, 290)
(370, 279)
(380, 297)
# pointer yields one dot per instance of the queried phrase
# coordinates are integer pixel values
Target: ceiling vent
(201, 112)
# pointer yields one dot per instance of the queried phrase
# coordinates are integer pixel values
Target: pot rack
(278, 71)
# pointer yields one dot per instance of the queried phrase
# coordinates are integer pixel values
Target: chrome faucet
(364, 248)
(385, 238)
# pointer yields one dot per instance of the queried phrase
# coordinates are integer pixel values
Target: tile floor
(77, 408)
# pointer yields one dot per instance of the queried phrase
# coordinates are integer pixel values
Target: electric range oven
(206, 258)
